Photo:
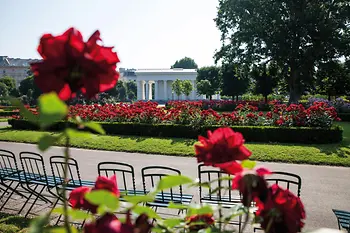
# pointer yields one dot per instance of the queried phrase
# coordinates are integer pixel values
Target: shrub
(344, 116)
(251, 133)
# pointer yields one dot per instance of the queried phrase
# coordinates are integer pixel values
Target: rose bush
(317, 115)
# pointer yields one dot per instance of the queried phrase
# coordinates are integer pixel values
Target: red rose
(222, 146)
(252, 185)
(69, 64)
(282, 211)
(109, 184)
(109, 223)
(77, 200)
(198, 222)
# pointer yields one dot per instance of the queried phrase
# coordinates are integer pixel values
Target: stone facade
(16, 68)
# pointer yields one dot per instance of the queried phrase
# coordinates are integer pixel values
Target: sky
(145, 33)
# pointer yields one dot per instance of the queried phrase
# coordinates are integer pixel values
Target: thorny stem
(65, 202)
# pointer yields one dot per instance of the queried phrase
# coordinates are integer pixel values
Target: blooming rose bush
(317, 115)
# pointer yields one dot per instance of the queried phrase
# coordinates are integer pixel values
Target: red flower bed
(318, 115)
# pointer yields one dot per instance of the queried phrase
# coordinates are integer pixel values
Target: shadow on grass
(17, 221)
(341, 150)
(186, 141)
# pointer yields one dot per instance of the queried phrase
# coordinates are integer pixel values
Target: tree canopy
(204, 88)
(185, 63)
(177, 87)
(333, 78)
(187, 87)
(297, 35)
(235, 81)
(212, 74)
(28, 88)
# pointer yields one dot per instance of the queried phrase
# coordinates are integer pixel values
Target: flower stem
(65, 170)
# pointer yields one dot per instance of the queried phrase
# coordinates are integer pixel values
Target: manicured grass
(4, 119)
(327, 154)
(13, 224)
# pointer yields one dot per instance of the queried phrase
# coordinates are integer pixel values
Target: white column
(194, 91)
(156, 91)
(165, 90)
(150, 90)
(147, 89)
(140, 90)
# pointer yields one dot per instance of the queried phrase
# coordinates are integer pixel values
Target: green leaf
(51, 109)
(172, 222)
(248, 164)
(74, 214)
(168, 182)
(206, 209)
(63, 230)
(47, 140)
(173, 205)
(103, 197)
(73, 133)
(24, 111)
(37, 225)
(95, 127)
(145, 210)
(138, 199)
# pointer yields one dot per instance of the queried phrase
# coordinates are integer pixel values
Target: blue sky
(145, 33)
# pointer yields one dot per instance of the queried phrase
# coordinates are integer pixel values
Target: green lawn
(328, 154)
(13, 224)
(4, 119)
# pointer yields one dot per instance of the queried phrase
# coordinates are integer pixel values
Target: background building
(16, 68)
(160, 81)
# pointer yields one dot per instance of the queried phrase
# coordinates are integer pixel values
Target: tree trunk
(236, 97)
(265, 99)
(210, 97)
(233, 98)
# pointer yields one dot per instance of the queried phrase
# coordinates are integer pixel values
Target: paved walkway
(323, 187)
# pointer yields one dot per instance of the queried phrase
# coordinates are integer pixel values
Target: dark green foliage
(4, 91)
(265, 80)
(185, 63)
(29, 90)
(251, 133)
(235, 83)
(333, 79)
(8, 113)
(204, 88)
(344, 116)
(212, 74)
(297, 35)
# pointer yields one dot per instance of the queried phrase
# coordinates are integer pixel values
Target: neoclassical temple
(162, 80)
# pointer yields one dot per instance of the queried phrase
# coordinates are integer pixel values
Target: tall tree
(177, 87)
(4, 91)
(235, 81)
(212, 74)
(131, 88)
(265, 80)
(185, 63)
(9, 82)
(187, 87)
(333, 79)
(28, 87)
(204, 88)
(295, 34)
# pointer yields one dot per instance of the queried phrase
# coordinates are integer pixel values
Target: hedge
(344, 116)
(251, 133)
(8, 113)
